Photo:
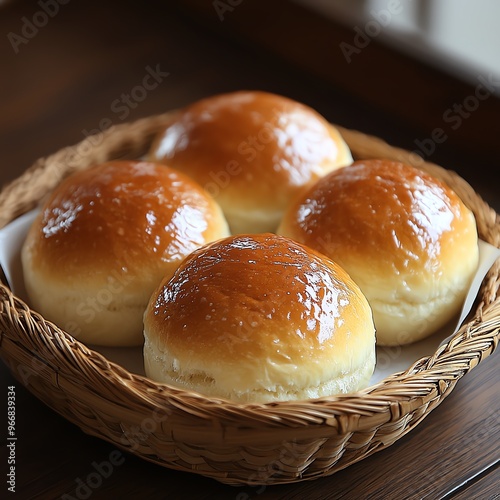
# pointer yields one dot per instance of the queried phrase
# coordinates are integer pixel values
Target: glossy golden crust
(261, 312)
(121, 216)
(403, 236)
(251, 150)
(104, 240)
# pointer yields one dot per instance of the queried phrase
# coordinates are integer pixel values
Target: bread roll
(104, 240)
(252, 151)
(404, 237)
(259, 318)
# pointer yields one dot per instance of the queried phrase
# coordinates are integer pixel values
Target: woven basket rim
(429, 378)
(411, 373)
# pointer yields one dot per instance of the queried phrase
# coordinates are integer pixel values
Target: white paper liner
(390, 360)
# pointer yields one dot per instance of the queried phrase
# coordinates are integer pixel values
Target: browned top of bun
(256, 297)
(120, 215)
(250, 142)
(388, 210)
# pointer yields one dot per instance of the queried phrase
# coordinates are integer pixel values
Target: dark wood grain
(386, 79)
(57, 92)
(62, 84)
(485, 486)
(395, 87)
(457, 443)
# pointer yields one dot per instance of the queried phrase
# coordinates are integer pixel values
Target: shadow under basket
(235, 444)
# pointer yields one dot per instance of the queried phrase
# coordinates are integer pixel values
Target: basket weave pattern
(235, 444)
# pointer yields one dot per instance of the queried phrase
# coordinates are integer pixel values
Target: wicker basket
(235, 444)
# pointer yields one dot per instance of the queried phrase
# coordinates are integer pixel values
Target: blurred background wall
(459, 36)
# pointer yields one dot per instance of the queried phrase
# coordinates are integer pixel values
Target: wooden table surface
(66, 71)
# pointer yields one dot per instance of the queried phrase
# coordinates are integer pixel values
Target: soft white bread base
(265, 382)
(259, 318)
(344, 154)
(265, 215)
(404, 237)
(252, 151)
(405, 311)
(252, 220)
(410, 306)
(109, 314)
(105, 239)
